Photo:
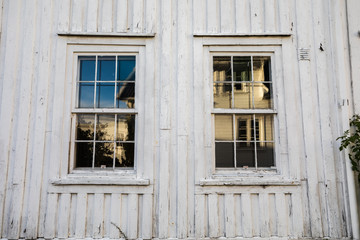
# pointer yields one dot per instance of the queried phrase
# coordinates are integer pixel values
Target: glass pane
(87, 68)
(224, 154)
(243, 95)
(105, 127)
(84, 154)
(262, 95)
(265, 127)
(86, 95)
(105, 95)
(106, 68)
(125, 95)
(242, 69)
(265, 154)
(245, 154)
(224, 127)
(104, 153)
(85, 127)
(124, 155)
(126, 68)
(125, 127)
(222, 95)
(261, 68)
(243, 128)
(222, 68)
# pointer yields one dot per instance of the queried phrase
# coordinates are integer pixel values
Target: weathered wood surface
(173, 197)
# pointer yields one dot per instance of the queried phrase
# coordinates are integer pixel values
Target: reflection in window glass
(225, 154)
(126, 68)
(85, 127)
(125, 95)
(86, 95)
(106, 69)
(105, 140)
(87, 68)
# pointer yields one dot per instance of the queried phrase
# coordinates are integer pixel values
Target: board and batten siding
(180, 200)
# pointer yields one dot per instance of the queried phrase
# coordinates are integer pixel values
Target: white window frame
(246, 47)
(76, 111)
(231, 111)
(118, 176)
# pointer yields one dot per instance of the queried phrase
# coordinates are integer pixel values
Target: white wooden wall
(35, 121)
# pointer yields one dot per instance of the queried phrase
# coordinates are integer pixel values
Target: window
(105, 112)
(243, 111)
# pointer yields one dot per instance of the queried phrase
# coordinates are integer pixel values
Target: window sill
(100, 180)
(249, 181)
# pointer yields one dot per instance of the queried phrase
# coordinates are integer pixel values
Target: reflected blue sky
(105, 90)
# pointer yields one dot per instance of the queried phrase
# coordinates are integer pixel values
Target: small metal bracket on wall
(303, 54)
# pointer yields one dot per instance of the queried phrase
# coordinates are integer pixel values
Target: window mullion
(234, 139)
(94, 143)
(115, 137)
(232, 83)
(255, 147)
(116, 66)
(95, 80)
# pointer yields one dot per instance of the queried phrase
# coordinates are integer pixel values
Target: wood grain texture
(175, 191)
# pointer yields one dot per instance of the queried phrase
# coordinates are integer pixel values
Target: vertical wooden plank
(213, 16)
(150, 16)
(149, 112)
(264, 209)
(64, 16)
(227, 16)
(213, 218)
(147, 217)
(246, 214)
(58, 58)
(5, 132)
(51, 216)
(63, 219)
(257, 16)
(92, 16)
(198, 100)
(89, 215)
(289, 213)
(107, 215)
(124, 215)
(115, 218)
(255, 212)
(242, 16)
(98, 216)
(200, 219)
(238, 216)
(141, 123)
(297, 214)
(36, 140)
(15, 111)
(132, 216)
(270, 13)
(282, 214)
(106, 16)
(73, 210)
(272, 215)
(81, 208)
(284, 12)
(310, 106)
(199, 16)
(230, 211)
(221, 212)
(182, 115)
(77, 15)
(121, 16)
(138, 16)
